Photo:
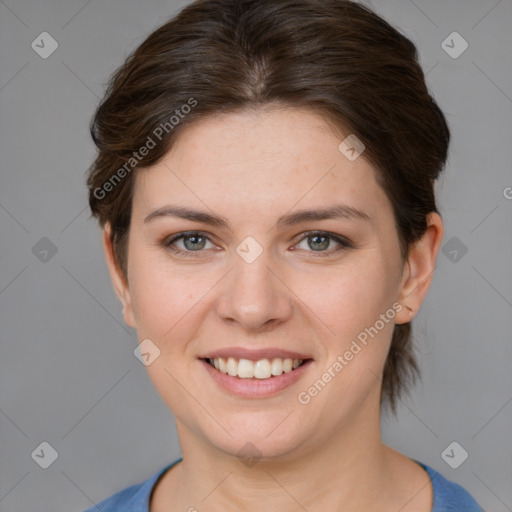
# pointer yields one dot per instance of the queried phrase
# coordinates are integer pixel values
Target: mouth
(261, 369)
(255, 374)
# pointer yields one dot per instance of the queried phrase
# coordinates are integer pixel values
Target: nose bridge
(252, 294)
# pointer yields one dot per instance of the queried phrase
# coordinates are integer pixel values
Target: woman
(264, 180)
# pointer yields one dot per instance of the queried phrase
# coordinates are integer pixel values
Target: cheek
(353, 298)
(358, 308)
(163, 299)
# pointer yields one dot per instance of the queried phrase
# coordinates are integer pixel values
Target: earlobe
(117, 276)
(419, 269)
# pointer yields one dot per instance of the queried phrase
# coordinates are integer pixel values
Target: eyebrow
(290, 219)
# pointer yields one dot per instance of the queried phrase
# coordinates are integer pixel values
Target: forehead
(257, 162)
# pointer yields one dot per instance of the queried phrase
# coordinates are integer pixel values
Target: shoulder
(131, 499)
(449, 496)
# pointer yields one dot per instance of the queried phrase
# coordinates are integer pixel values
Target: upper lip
(254, 354)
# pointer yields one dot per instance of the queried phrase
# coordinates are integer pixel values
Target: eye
(193, 241)
(319, 241)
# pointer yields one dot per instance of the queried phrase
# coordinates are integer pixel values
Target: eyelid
(342, 241)
(339, 238)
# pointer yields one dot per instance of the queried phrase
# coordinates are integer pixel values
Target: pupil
(194, 239)
(323, 245)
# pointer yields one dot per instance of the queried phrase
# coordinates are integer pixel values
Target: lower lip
(256, 388)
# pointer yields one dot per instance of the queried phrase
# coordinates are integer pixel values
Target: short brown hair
(335, 57)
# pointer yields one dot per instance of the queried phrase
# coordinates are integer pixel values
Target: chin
(262, 435)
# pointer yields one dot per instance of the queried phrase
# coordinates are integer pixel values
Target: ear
(118, 278)
(419, 269)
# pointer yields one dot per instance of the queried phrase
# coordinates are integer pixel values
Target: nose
(254, 295)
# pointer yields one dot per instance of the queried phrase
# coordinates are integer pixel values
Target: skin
(251, 168)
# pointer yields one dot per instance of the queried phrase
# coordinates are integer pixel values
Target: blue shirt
(448, 496)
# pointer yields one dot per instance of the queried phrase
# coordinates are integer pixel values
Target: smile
(255, 373)
(260, 369)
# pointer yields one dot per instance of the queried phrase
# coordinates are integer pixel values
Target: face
(255, 278)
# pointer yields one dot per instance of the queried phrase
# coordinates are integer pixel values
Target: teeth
(245, 369)
(261, 369)
(232, 366)
(277, 366)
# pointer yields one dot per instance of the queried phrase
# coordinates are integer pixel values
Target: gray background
(68, 375)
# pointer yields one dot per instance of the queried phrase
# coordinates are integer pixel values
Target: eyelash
(344, 243)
